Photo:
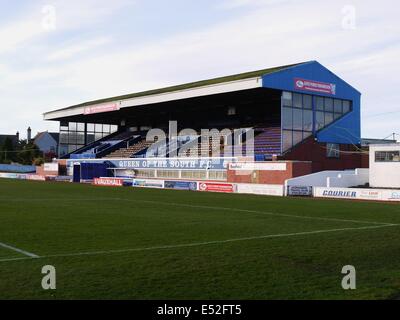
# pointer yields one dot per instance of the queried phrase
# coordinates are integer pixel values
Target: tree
(28, 153)
(7, 153)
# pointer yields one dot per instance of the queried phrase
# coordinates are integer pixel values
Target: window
(106, 128)
(346, 106)
(201, 175)
(307, 120)
(297, 119)
(145, 173)
(98, 127)
(98, 136)
(80, 127)
(338, 106)
(287, 140)
(114, 128)
(298, 115)
(72, 126)
(319, 102)
(72, 134)
(287, 118)
(387, 156)
(307, 102)
(297, 100)
(90, 127)
(333, 150)
(328, 118)
(320, 120)
(231, 111)
(64, 126)
(287, 99)
(64, 137)
(328, 105)
(90, 138)
(80, 139)
(217, 175)
(297, 137)
(168, 174)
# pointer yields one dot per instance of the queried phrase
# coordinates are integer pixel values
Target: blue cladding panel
(346, 130)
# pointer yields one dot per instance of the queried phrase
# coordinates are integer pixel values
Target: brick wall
(293, 169)
(310, 150)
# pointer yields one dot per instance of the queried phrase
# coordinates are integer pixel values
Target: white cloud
(18, 32)
(68, 16)
(233, 4)
(76, 49)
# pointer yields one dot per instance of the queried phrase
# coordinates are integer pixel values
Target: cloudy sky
(58, 53)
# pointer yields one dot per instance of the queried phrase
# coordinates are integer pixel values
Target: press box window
(231, 111)
(387, 156)
(333, 150)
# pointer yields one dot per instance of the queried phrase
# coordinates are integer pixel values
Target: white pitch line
(258, 212)
(26, 253)
(198, 244)
(183, 205)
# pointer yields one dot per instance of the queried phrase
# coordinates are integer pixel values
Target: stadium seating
(268, 142)
(204, 150)
(131, 151)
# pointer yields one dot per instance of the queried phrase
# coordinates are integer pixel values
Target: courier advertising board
(360, 194)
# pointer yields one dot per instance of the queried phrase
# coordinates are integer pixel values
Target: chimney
(29, 134)
(17, 136)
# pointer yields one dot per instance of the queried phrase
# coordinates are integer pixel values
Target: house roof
(54, 135)
(192, 85)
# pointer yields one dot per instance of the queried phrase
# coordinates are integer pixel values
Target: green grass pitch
(131, 243)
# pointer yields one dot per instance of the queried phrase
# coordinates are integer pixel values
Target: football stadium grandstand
(300, 112)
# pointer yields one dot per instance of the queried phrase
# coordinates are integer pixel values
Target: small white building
(384, 165)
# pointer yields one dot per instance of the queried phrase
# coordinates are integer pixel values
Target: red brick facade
(293, 169)
(350, 157)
